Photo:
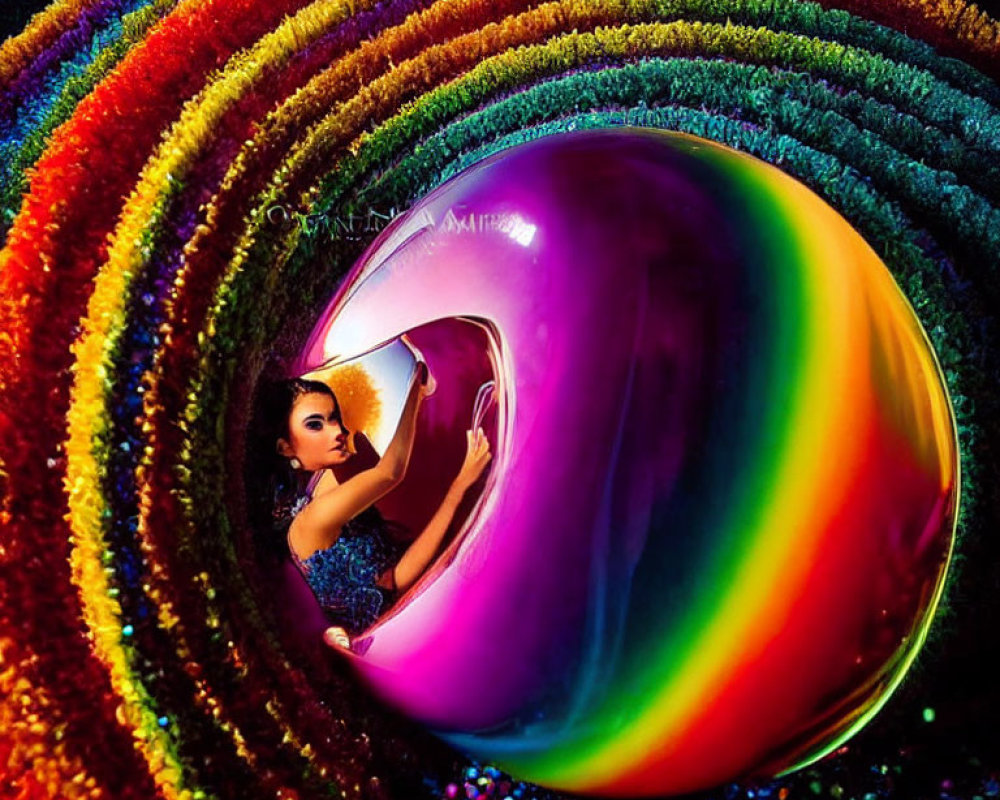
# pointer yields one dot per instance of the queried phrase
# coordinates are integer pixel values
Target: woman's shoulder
(362, 549)
(305, 539)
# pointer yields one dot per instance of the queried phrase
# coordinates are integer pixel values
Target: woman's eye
(315, 425)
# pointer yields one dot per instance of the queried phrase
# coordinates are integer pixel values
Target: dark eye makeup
(315, 423)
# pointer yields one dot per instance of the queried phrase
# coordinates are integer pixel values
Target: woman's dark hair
(273, 487)
(276, 399)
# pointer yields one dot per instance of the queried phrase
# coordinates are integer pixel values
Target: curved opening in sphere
(464, 359)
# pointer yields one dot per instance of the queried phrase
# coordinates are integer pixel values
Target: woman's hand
(423, 376)
(477, 456)
(422, 373)
(337, 638)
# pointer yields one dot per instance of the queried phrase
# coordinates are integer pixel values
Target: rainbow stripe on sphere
(725, 476)
(179, 179)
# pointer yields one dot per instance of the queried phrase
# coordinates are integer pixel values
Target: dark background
(14, 15)
(901, 754)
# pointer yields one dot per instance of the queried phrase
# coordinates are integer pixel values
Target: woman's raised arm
(319, 523)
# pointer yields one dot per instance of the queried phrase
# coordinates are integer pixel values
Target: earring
(296, 464)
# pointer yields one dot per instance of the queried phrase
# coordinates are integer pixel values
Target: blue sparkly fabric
(344, 575)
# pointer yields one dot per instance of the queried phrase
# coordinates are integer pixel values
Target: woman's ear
(284, 448)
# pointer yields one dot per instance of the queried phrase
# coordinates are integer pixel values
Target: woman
(337, 539)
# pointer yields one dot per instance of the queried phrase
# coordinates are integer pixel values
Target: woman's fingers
(477, 456)
(336, 636)
(476, 442)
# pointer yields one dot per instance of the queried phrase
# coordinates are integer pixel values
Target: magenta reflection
(714, 433)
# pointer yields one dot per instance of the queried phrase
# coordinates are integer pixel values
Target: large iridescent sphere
(725, 477)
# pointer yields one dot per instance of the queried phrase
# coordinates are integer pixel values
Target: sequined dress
(344, 576)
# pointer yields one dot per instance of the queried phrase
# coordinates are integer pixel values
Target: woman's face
(317, 437)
